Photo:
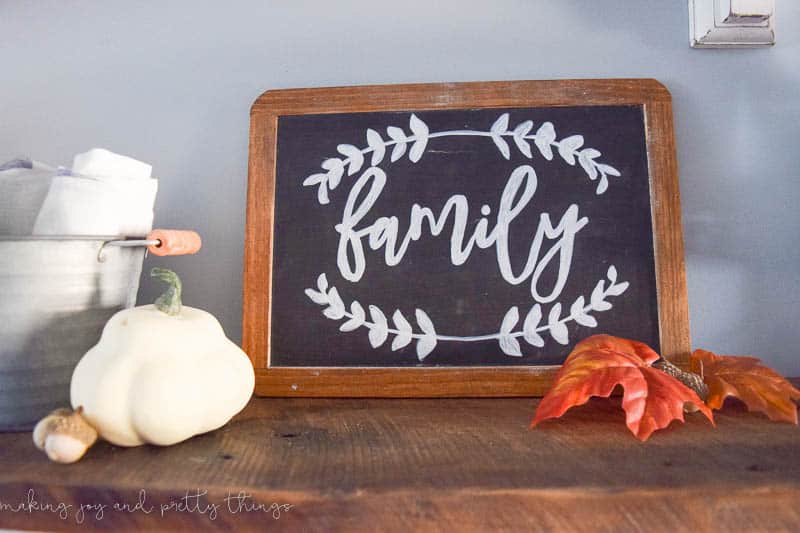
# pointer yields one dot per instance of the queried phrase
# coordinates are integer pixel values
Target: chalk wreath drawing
(384, 233)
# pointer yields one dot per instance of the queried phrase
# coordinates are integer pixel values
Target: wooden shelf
(408, 465)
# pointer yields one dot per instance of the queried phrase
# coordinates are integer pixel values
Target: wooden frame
(452, 381)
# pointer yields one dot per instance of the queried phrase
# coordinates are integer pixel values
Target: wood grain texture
(258, 240)
(459, 95)
(452, 381)
(432, 465)
(673, 306)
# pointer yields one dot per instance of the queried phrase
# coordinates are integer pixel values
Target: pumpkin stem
(170, 301)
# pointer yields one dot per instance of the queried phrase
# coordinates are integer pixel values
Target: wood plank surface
(425, 465)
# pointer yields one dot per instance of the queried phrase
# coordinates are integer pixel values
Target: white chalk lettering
(520, 189)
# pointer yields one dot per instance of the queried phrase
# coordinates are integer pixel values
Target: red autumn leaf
(651, 398)
(759, 387)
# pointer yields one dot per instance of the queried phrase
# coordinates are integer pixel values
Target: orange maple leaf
(651, 398)
(759, 387)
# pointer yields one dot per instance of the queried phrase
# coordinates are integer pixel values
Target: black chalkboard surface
(470, 237)
(588, 220)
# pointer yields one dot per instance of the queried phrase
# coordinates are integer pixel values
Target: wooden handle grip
(174, 242)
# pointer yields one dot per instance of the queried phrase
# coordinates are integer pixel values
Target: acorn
(64, 435)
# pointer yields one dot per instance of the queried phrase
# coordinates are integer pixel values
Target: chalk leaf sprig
(377, 322)
(379, 327)
(571, 149)
(556, 324)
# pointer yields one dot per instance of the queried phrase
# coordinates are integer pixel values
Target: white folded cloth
(102, 194)
(101, 163)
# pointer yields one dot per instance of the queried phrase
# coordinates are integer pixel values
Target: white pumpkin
(161, 373)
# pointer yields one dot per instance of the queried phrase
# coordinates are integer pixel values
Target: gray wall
(171, 83)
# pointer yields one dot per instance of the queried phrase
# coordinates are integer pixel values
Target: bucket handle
(159, 242)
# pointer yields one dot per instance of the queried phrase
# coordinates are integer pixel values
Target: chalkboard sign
(459, 239)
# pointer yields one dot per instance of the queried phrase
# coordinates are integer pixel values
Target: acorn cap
(64, 435)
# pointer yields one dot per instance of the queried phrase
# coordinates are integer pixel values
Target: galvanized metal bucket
(56, 294)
